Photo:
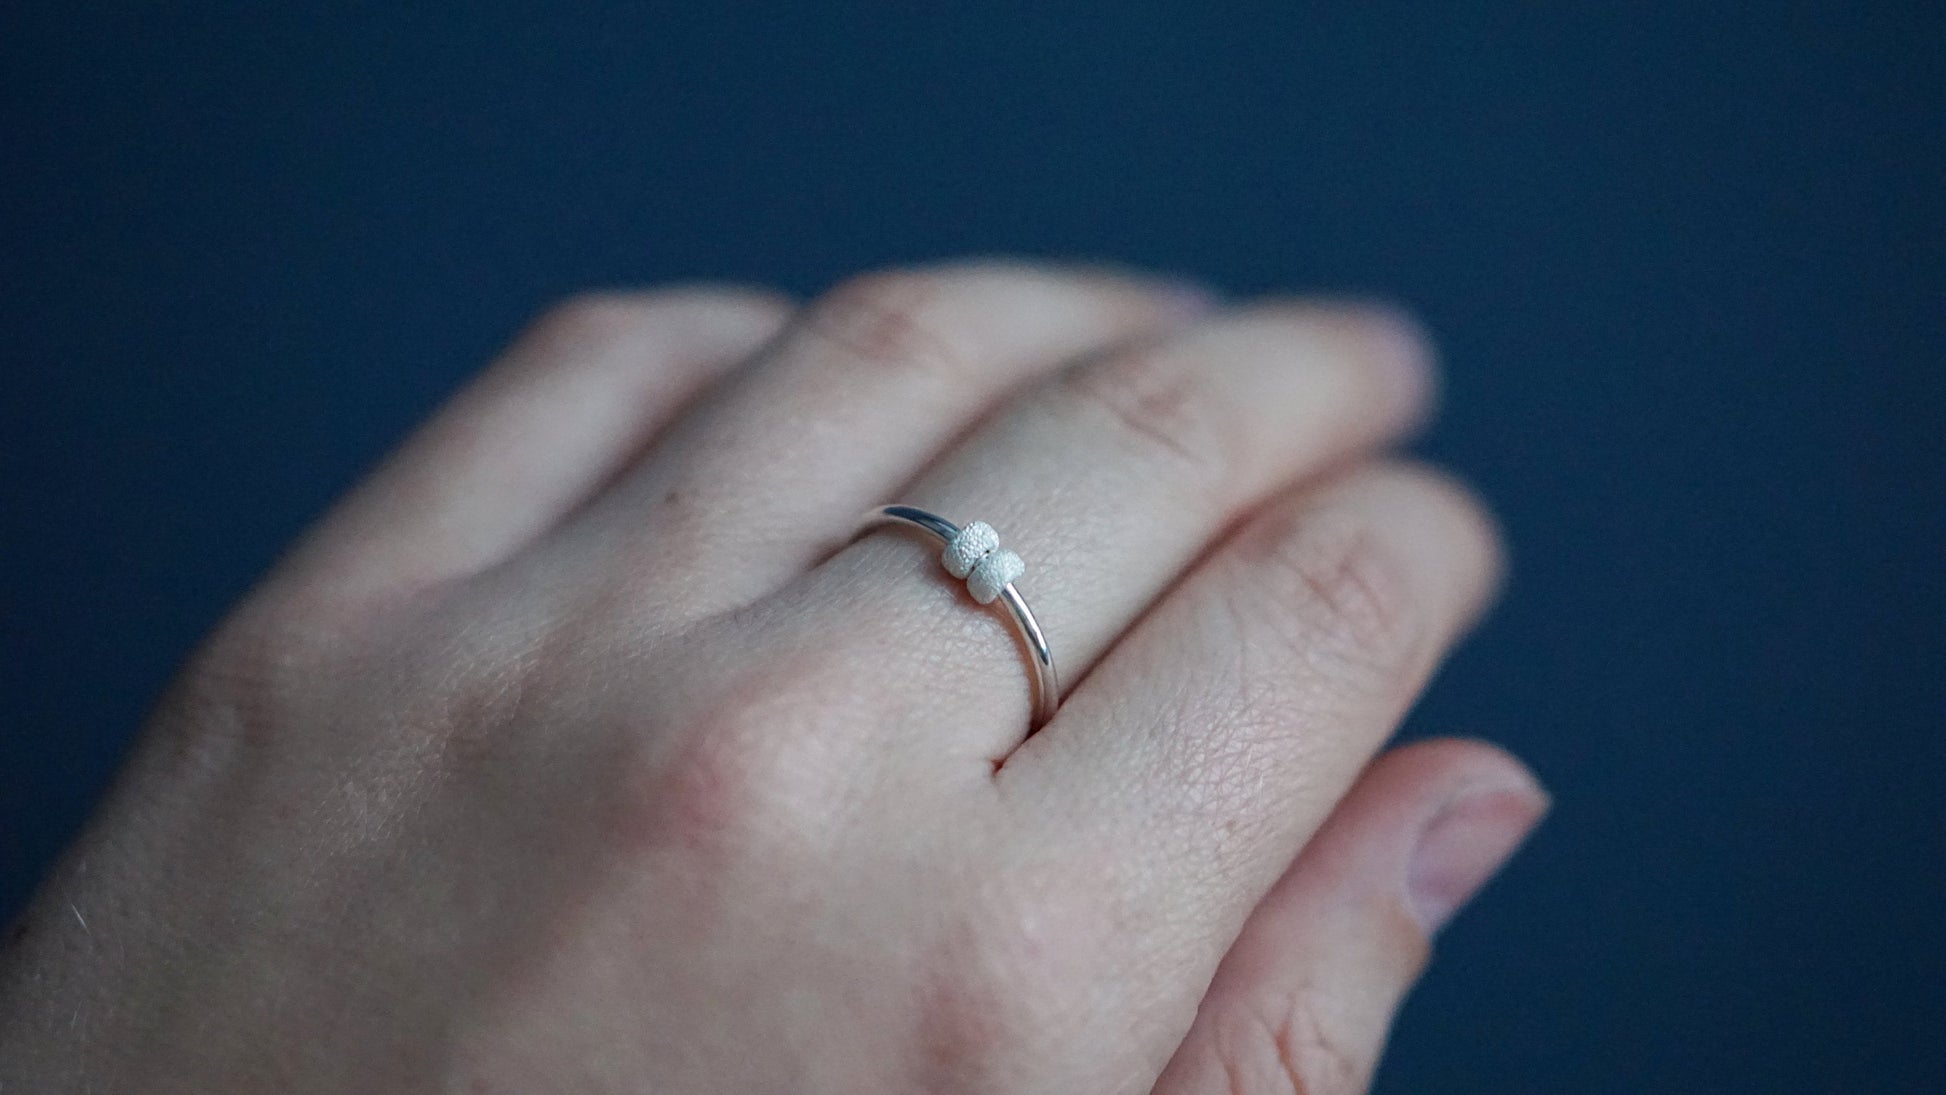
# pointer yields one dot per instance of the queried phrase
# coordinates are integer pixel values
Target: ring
(974, 554)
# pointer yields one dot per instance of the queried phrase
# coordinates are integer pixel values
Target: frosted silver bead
(973, 553)
(992, 575)
(963, 552)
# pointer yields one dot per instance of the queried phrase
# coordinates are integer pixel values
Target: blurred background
(1685, 262)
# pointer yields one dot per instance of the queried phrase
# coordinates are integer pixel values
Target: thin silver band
(1047, 683)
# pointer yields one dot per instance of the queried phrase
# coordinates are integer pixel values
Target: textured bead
(964, 552)
(994, 572)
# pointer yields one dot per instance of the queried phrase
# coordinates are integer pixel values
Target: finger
(1110, 478)
(862, 389)
(1212, 741)
(567, 405)
(1304, 999)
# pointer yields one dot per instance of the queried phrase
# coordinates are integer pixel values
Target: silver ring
(974, 553)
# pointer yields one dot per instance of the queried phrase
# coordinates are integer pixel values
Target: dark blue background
(1687, 267)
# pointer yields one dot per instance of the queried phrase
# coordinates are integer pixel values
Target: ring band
(974, 553)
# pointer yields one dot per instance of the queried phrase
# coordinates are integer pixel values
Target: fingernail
(1467, 842)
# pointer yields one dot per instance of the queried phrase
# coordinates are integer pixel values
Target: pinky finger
(1304, 999)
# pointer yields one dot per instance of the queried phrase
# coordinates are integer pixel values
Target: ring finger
(1110, 479)
(866, 384)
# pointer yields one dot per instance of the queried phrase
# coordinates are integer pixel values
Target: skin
(582, 749)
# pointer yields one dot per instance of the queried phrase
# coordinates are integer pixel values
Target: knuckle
(1161, 406)
(480, 695)
(592, 319)
(896, 319)
(1313, 1052)
(710, 310)
(245, 680)
(1292, 1044)
(658, 329)
(999, 992)
(601, 319)
(745, 783)
(1341, 592)
(710, 799)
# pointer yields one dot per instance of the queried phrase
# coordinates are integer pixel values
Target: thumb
(1305, 997)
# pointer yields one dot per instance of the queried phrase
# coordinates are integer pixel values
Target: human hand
(582, 749)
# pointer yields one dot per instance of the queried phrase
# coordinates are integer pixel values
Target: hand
(582, 749)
